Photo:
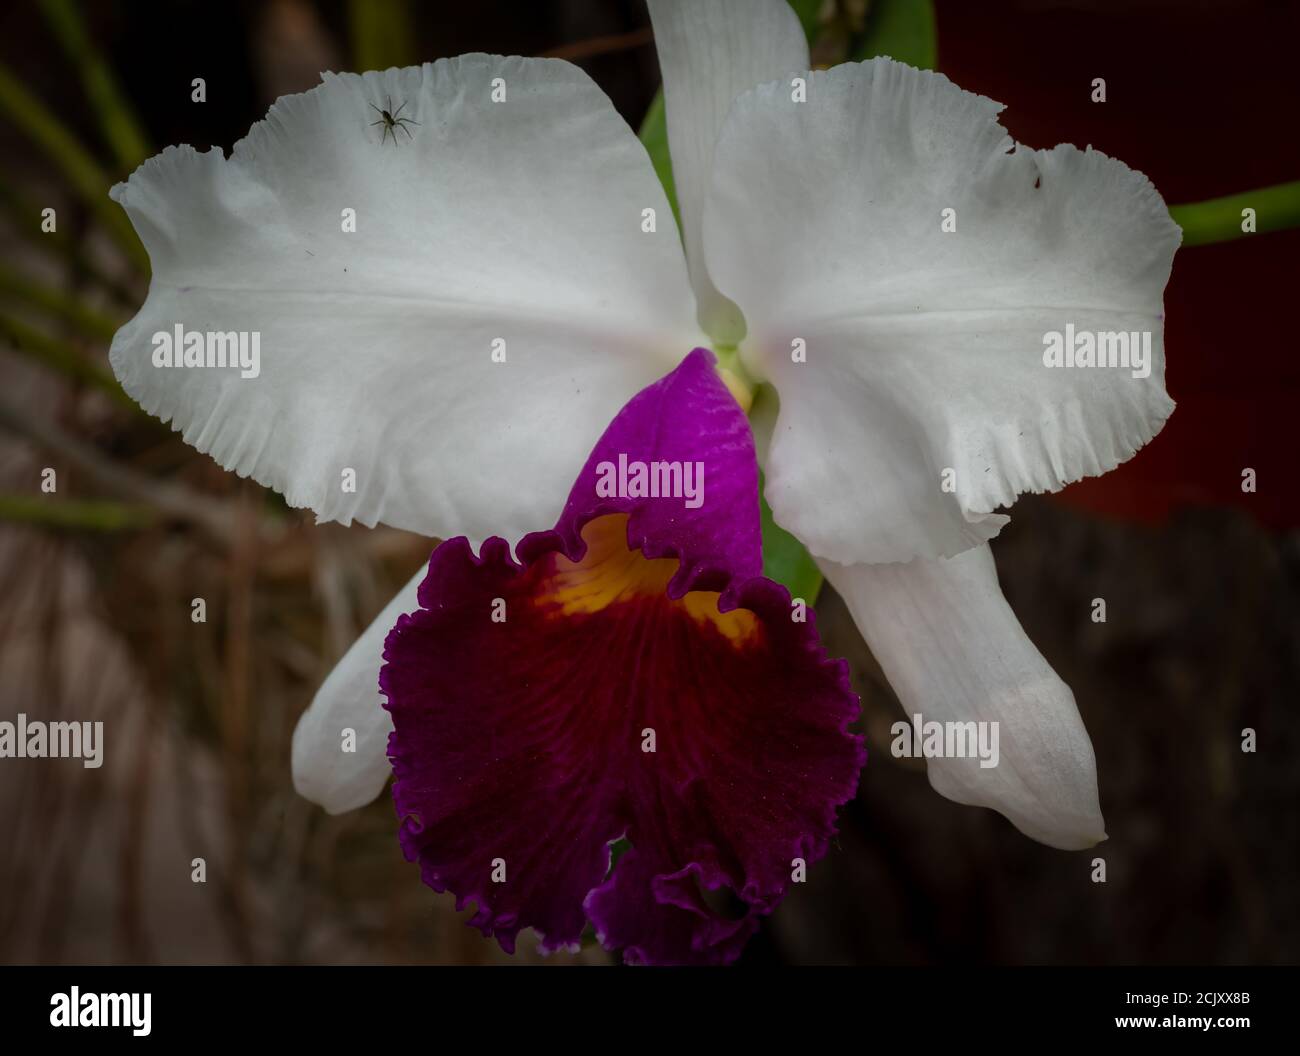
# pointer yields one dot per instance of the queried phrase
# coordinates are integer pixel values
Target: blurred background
(1202, 580)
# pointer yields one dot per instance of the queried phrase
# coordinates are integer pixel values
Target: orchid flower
(867, 241)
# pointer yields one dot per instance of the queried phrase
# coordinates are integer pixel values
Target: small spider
(392, 121)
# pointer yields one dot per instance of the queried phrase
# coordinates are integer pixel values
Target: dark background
(1202, 581)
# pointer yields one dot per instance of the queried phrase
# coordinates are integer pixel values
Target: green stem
(58, 303)
(80, 168)
(116, 118)
(60, 513)
(1220, 219)
(61, 357)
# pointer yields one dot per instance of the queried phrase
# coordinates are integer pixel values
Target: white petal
(954, 652)
(518, 220)
(709, 53)
(350, 699)
(924, 347)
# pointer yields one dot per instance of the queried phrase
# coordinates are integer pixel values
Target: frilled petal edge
(911, 291)
(428, 329)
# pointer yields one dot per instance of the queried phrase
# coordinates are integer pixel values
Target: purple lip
(630, 675)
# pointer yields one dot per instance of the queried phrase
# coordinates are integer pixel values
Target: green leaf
(654, 136)
(784, 557)
(117, 119)
(809, 14)
(903, 30)
(1219, 219)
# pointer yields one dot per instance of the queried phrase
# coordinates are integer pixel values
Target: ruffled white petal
(518, 220)
(350, 699)
(954, 652)
(709, 53)
(925, 348)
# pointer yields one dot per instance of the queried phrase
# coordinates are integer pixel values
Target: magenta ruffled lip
(520, 744)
